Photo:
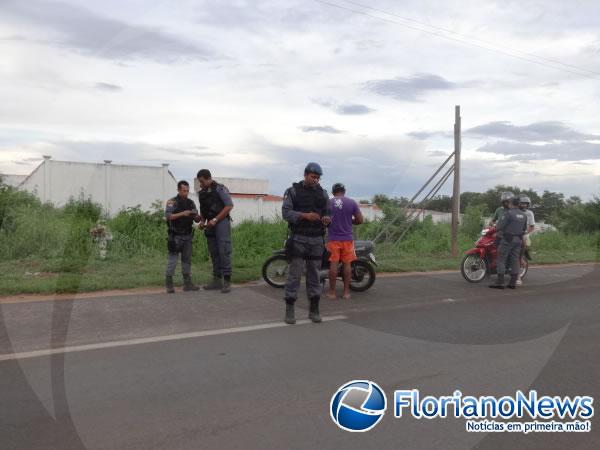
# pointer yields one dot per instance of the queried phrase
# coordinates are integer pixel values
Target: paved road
(208, 371)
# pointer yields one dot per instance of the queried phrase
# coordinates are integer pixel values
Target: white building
(113, 186)
(116, 186)
(11, 179)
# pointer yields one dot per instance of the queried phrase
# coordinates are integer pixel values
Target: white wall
(112, 186)
(255, 209)
(12, 180)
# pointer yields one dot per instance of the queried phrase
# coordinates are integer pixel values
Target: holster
(172, 246)
(289, 249)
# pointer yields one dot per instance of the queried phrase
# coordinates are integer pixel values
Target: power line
(449, 31)
(461, 41)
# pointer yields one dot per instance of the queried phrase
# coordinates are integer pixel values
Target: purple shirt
(342, 211)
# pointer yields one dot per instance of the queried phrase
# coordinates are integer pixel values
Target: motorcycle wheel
(274, 271)
(473, 268)
(363, 276)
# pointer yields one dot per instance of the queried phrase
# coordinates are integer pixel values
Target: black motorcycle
(274, 270)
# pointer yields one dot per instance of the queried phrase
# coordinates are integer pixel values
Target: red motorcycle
(480, 261)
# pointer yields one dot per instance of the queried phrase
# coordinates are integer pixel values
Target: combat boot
(169, 285)
(290, 319)
(188, 285)
(512, 284)
(226, 284)
(215, 284)
(499, 282)
(314, 310)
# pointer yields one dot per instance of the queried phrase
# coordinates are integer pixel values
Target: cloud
(562, 151)
(108, 87)
(548, 131)
(423, 135)
(345, 109)
(410, 88)
(84, 31)
(438, 153)
(321, 129)
(196, 152)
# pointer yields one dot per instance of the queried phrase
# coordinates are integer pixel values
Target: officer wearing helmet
(524, 203)
(306, 209)
(505, 200)
(511, 227)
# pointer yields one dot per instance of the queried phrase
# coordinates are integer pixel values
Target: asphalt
(206, 370)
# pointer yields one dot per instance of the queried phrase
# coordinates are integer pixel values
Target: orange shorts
(341, 251)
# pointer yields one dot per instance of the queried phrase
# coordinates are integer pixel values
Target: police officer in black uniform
(215, 206)
(511, 227)
(180, 214)
(306, 209)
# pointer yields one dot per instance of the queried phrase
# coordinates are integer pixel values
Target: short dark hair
(204, 173)
(182, 183)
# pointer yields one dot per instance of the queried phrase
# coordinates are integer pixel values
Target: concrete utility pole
(456, 189)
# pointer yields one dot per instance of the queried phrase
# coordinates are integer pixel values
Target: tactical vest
(516, 223)
(210, 201)
(308, 200)
(183, 225)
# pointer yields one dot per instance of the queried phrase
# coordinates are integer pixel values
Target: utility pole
(456, 188)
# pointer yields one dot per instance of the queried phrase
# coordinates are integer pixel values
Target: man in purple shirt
(344, 213)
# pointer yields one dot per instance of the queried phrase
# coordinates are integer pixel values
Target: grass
(47, 250)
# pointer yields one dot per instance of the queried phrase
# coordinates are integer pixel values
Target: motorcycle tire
(465, 273)
(270, 265)
(367, 270)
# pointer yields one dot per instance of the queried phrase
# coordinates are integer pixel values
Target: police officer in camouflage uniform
(180, 214)
(511, 227)
(306, 209)
(215, 206)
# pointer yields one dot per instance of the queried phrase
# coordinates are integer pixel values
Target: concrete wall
(268, 208)
(255, 209)
(112, 186)
(12, 180)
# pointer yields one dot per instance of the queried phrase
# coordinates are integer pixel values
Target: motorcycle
(275, 269)
(480, 261)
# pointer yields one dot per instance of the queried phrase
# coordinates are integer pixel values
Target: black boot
(187, 283)
(289, 314)
(215, 284)
(512, 284)
(226, 284)
(314, 310)
(169, 285)
(499, 282)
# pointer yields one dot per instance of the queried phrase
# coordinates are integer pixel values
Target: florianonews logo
(358, 405)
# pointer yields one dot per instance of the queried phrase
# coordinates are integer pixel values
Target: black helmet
(313, 167)
(506, 196)
(337, 187)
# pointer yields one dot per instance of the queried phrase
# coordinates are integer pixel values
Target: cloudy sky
(258, 88)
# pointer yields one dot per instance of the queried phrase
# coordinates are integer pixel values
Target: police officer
(511, 226)
(215, 206)
(505, 200)
(180, 214)
(306, 209)
(524, 202)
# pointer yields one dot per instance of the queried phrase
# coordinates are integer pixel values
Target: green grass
(47, 250)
